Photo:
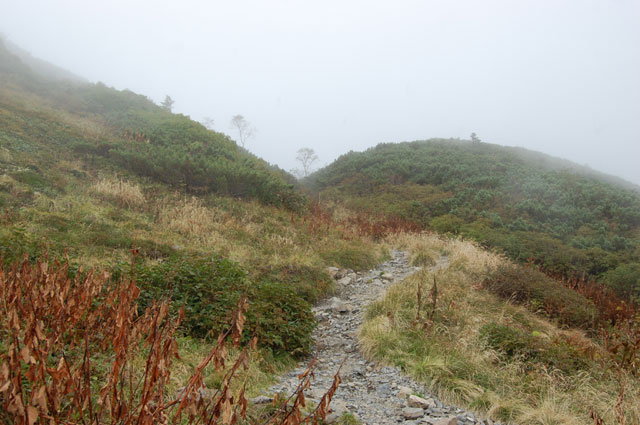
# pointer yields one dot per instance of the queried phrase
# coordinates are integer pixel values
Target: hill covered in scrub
(89, 173)
(120, 128)
(120, 217)
(568, 219)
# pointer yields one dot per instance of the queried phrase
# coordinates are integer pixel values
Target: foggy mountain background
(555, 76)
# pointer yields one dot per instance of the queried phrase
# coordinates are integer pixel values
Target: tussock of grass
(489, 355)
(125, 194)
(190, 217)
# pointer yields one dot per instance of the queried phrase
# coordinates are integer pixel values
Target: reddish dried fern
(53, 328)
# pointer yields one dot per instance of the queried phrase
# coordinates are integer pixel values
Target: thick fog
(561, 77)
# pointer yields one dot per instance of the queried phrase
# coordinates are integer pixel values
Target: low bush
(447, 223)
(31, 178)
(541, 294)
(515, 343)
(283, 320)
(210, 288)
(625, 280)
(16, 242)
(511, 342)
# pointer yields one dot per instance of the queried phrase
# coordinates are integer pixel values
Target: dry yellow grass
(242, 237)
(125, 194)
(5, 155)
(461, 253)
(190, 217)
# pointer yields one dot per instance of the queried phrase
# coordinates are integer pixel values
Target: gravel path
(374, 395)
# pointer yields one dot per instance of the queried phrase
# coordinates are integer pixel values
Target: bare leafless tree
(306, 157)
(243, 127)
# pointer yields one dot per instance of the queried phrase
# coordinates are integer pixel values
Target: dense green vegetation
(93, 174)
(121, 128)
(542, 294)
(567, 219)
(210, 289)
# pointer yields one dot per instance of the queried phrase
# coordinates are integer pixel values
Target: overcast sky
(561, 77)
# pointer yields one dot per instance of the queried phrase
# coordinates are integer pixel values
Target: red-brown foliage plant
(620, 334)
(53, 331)
(377, 226)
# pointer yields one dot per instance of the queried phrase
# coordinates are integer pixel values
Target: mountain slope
(41, 67)
(569, 220)
(89, 173)
(92, 174)
(123, 129)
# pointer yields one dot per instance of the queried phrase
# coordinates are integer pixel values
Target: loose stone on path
(373, 394)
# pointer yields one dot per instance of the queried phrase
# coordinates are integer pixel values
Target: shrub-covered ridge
(565, 218)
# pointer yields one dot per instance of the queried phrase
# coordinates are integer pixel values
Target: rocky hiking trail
(373, 394)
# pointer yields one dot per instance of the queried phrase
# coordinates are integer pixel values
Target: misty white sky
(558, 76)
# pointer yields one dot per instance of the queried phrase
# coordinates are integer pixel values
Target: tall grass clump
(188, 216)
(125, 194)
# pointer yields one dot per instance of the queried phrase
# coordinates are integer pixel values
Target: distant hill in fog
(41, 67)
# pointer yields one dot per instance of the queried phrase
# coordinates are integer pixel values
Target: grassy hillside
(106, 127)
(568, 219)
(38, 66)
(89, 172)
(475, 344)
(125, 228)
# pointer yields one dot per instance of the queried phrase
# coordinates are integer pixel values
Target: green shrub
(283, 319)
(109, 236)
(447, 224)
(541, 294)
(57, 222)
(16, 242)
(31, 178)
(153, 250)
(625, 280)
(509, 341)
(561, 355)
(210, 289)
(515, 343)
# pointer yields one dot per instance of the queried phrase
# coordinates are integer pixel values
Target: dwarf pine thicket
(570, 221)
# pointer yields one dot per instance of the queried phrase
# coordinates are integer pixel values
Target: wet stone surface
(372, 393)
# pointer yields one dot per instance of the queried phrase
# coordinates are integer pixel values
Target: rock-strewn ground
(375, 395)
